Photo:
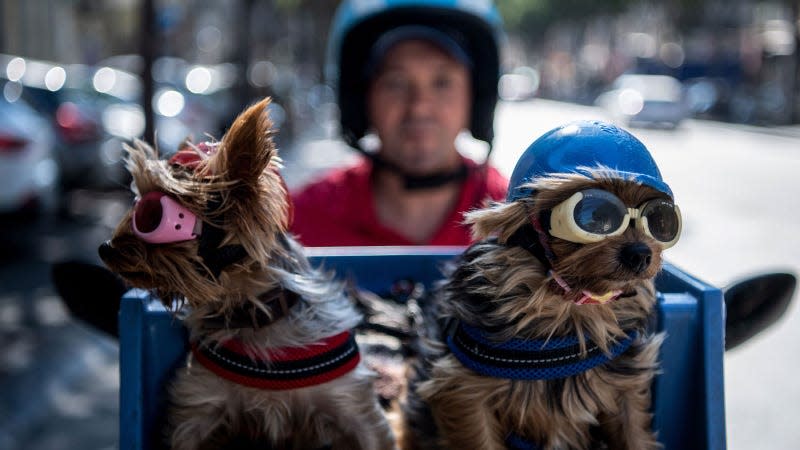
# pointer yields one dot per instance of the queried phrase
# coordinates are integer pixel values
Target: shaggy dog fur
(504, 289)
(238, 189)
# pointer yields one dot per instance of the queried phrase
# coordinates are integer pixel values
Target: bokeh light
(15, 69)
(55, 78)
(104, 79)
(169, 102)
(198, 80)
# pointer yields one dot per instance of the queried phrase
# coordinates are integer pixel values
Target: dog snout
(636, 256)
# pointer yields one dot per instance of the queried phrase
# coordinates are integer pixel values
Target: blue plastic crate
(688, 395)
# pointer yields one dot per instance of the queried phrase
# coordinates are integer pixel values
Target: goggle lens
(148, 212)
(593, 215)
(599, 212)
(663, 220)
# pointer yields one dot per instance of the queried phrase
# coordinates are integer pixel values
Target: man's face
(418, 104)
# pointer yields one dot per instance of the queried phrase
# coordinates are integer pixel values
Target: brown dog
(274, 363)
(546, 340)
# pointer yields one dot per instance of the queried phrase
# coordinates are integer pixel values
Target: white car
(649, 100)
(28, 168)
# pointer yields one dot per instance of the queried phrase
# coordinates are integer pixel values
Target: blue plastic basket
(689, 394)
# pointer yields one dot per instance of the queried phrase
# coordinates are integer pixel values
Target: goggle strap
(543, 237)
(544, 245)
(214, 257)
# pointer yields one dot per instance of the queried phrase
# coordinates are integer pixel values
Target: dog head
(629, 225)
(591, 199)
(205, 220)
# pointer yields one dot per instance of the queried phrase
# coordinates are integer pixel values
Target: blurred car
(645, 100)
(62, 94)
(93, 111)
(28, 169)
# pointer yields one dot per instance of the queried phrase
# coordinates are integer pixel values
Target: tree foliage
(531, 18)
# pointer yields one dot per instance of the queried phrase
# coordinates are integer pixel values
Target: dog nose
(636, 256)
(105, 250)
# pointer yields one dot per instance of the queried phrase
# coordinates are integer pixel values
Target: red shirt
(339, 209)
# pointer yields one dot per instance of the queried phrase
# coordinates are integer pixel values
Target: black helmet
(475, 25)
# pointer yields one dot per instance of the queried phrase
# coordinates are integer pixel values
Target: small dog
(545, 341)
(273, 360)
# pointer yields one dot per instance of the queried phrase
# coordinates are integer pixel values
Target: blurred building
(737, 58)
(269, 44)
(78, 31)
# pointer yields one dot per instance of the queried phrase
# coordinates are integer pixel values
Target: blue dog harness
(527, 359)
(517, 442)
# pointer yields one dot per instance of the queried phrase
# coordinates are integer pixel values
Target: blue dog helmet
(579, 146)
(474, 25)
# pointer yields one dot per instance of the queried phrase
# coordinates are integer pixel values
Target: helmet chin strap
(413, 182)
(419, 182)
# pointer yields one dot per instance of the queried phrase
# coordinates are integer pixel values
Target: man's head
(472, 28)
(419, 98)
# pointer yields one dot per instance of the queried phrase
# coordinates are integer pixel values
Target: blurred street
(736, 185)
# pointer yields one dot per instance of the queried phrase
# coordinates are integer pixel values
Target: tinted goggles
(593, 215)
(159, 219)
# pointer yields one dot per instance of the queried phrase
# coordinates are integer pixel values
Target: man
(429, 74)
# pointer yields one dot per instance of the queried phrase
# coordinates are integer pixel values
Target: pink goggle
(159, 219)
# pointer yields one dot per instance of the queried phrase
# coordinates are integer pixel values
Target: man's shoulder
(495, 184)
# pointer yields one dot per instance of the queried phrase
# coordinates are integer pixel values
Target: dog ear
(500, 219)
(247, 147)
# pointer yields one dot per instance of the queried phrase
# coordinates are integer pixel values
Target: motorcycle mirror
(754, 304)
(91, 293)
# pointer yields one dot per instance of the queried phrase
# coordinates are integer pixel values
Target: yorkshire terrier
(545, 340)
(273, 361)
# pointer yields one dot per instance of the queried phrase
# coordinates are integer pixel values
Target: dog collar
(283, 368)
(528, 359)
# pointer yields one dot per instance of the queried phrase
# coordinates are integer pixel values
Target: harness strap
(527, 359)
(283, 368)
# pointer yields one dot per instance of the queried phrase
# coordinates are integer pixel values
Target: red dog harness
(284, 368)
